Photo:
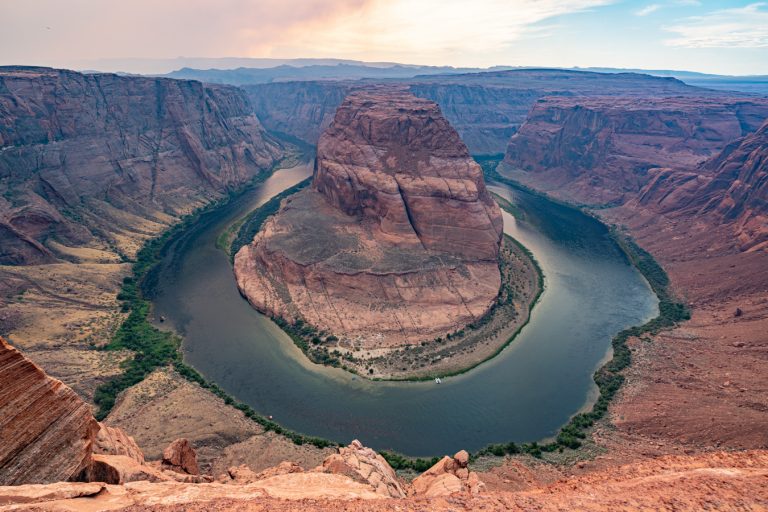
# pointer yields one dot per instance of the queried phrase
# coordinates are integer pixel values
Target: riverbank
(610, 376)
(249, 357)
(522, 282)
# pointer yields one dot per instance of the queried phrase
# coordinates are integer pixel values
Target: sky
(724, 37)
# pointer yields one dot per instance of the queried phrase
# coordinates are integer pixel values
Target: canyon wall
(730, 189)
(103, 160)
(485, 108)
(686, 178)
(600, 149)
(397, 240)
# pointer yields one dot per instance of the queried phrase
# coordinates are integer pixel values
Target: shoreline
(399, 461)
(502, 332)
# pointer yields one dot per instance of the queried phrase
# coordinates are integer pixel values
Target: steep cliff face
(600, 149)
(300, 109)
(485, 108)
(47, 431)
(397, 240)
(393, 159)
(730, 189)
(97, 160)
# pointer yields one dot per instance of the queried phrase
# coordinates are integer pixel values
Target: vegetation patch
(252, 223)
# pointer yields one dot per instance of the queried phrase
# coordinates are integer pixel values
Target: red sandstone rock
(364, 465)
(599, 150)
(397, 240)
(485, 108)
(115, 153)
(448, 476)
(121, 469)
(179, 456)
(114, 441)
(47, 432)
(39, 493)
(393, 159)
(730, 188)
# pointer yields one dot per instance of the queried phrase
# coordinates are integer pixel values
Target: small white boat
(437, 380)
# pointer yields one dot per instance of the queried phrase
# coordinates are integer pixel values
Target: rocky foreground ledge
(68, 462)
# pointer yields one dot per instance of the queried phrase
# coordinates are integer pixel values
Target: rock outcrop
(397, 239)
(114, 441)
(179, 456)
(102, 161)
(730, 189)
(47, 431)
(449, 476)
(600, 149)
(363, 464)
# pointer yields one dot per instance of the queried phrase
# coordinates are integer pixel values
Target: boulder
(120, 469)
(115, 441)
(47, 432)
(364, 465)
(180, 457)
(448, 476)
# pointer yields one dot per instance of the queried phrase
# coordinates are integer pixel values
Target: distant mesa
(396, 241)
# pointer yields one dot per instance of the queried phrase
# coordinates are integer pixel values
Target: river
(524, 394)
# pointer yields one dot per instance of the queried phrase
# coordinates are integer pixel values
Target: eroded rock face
(485, 108)
(115, 441)
(393, 159)
(600, 150)
(93, 160)
(47, 431)
(363, 464)
(730, 188)
(397, 240)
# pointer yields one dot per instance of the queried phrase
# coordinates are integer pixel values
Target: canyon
(91, 167)
(485, 108)
(698, 205)
(395, 243)
(94, 165)
(599, 150)
(110, 472)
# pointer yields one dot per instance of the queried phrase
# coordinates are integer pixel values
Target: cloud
(431, 28)
(648, 9)
(743, 27)
(405, 30)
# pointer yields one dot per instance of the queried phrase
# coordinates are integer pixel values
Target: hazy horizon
(716, 36)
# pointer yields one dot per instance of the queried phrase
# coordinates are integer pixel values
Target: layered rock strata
(485, 108)
(102, 160)
(47, 431)
(730, 189)
(600, 149)
(396, 241)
